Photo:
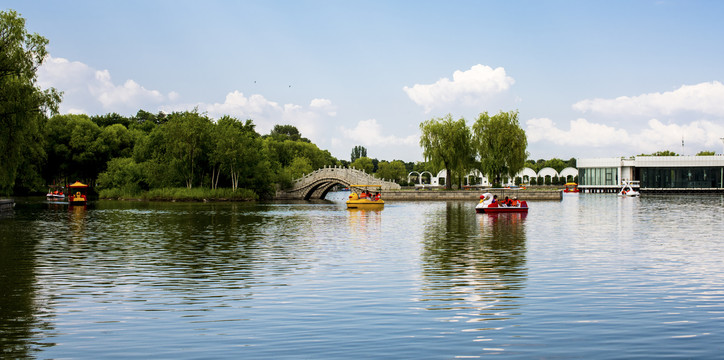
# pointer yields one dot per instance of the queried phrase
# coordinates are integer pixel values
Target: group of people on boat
(506, 202)
(368, 195)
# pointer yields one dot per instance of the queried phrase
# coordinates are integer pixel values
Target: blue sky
(589, 79)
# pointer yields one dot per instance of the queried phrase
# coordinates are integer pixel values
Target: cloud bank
(705, 98)
(470, 87)
(91, 91)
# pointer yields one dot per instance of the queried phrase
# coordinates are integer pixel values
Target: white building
(653, 172)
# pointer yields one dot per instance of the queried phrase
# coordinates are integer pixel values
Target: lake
(591, 276)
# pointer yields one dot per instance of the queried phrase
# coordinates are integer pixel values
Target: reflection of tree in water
(22, 310)
(474, 262)
(197, 247)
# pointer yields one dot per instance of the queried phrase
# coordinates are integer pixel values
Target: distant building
(653, 172)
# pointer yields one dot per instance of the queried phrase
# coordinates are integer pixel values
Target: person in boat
(377, 196)
(495, 199)
(363, 195)
(506, 202)
(514, 202)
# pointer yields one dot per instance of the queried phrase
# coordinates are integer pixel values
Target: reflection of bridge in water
(317, 184)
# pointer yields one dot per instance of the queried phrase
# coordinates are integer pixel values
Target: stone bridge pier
(317, 184)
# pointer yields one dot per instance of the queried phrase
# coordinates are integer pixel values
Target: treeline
(554, 163)
(125, 156)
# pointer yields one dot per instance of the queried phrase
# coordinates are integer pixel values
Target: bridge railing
(351, 174)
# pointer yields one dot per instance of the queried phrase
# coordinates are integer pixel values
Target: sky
(588, 78)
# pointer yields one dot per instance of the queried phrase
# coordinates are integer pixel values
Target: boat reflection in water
(474, 266)
(362, 221)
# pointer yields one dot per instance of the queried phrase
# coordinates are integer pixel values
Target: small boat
(628, 189)
(362, 198)
(55, 194)
(77, 193)
(571, 187)
(488, 204)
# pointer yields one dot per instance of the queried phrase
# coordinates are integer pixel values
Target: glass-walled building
(608, 172)
(680, 172)
(598, 176)
(654, 172)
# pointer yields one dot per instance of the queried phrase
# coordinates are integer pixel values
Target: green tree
(23, 105)
(364, 163)
(358, 152)
(111, 119)
(187, 137)
(501, 144)
(572, 163)
(706, 153)
(299, 167)
(446, 144)
(75, 149)
(556, 164)
(661, 153)
(123, 173)
(394, 170)
(287, 132)
(238, 149)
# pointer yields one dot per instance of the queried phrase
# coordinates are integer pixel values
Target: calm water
(592, 276)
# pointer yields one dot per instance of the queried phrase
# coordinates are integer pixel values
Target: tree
(187, 134)
(706, 153)
(661, 153)
(446, 144)
(556, 164)
(364, 163)
(358, 152)
(287, 132)
(299, 167)
(394, 170)
(23, 106)
(501, 144)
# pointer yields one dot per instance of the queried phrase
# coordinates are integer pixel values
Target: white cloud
(698, 135)
(370, 133)
(265, 113)
(324, 105)
(706, 98)
(581, 133)
(471, 87)
(93, 91)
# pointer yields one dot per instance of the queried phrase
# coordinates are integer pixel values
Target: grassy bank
(181, 194)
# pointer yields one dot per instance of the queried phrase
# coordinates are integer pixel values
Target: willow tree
(23, 105)
(446, 143)
(501, 144)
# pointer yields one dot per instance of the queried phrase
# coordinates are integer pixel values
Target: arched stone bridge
(317, 184)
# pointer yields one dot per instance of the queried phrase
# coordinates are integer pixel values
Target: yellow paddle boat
(365, 197)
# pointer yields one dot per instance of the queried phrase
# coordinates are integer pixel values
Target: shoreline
(444, 195)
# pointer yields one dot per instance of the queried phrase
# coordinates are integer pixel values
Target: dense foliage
(501, 144)
(23, 105)
(446, 144)
(554, 163)
(187, 149)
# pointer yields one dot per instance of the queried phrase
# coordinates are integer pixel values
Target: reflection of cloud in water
(473, 265)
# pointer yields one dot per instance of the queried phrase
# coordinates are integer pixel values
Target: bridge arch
(317, 184)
